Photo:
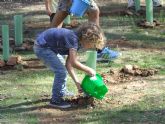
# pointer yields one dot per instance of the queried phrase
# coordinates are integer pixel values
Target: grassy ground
(24, 95)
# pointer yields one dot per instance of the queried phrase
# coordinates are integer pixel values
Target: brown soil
(26, 46)
(81, 100)
(127, 74)
(33, 64)
(124, 44)
(124, 75)
(145, 24)
(119, 95)
(32, 25)
(127, 11)
(24, 64)
(120, 12)
(125, 87)
(2, 97)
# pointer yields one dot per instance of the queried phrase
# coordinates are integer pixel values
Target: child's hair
(91, 34)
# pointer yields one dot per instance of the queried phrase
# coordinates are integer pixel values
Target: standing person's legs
(93, 13)
(61, 13)
(58, 19)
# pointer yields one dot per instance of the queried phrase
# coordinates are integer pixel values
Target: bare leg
(93, 16)
(58, 19)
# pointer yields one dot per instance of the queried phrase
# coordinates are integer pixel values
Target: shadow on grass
(112, 6)
(129, 117)
(159, 79)
(114, 9)
(137, 37)
(26, 103)
(31, 13)
(34, 105)
(148, 110)
(144, 38)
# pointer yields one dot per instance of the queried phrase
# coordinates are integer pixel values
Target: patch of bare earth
(123, 91)
(124, 44)
(118, 96)
(125, 87)
(17, 63)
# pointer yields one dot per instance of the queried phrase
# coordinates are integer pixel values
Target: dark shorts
(63, 6)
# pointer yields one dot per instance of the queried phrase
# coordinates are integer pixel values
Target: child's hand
(79, 87)
(80, 91)
(91, 72)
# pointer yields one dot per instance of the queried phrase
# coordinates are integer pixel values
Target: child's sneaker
(62, 104)
(108, 54)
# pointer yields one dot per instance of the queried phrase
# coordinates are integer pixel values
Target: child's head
(91, 36)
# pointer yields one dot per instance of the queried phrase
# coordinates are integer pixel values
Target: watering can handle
(95, 93)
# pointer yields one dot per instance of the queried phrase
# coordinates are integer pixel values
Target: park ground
(133, 98)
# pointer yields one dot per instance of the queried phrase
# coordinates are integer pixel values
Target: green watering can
(94, 86)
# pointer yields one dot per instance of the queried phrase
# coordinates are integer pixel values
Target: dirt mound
(81, 100)
(145, 24)
(17, 63)
(27, 44)
(127, 73)
(123, 42)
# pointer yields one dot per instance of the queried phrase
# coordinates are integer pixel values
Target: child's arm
(73, 74)
(72, 63)
(72, 60)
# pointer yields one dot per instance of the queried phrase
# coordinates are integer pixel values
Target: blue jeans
(56, 64)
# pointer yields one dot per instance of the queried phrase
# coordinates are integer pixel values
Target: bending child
(66, 42)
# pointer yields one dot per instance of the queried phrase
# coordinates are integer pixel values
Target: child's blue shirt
(60, 40)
